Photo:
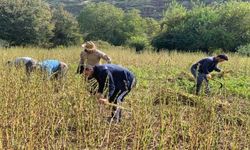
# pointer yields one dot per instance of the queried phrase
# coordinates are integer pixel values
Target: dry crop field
(162, 112)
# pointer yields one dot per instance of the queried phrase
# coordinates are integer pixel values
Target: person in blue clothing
(119, 81)
(202, 69)
(53, 69)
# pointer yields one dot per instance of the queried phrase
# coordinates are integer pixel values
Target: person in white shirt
(27, 62)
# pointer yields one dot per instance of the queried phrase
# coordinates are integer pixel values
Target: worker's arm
(106, 77)
(216, 68)
(104, 57)
(80, 67)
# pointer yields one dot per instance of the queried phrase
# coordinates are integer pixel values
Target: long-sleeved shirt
(51, 66)
(207, 65)
(117, 77)
(93, 58)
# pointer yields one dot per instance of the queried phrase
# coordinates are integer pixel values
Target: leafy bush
(138, 42)
(102, 44)
(244, 50)
(205, 27)
(3, 43)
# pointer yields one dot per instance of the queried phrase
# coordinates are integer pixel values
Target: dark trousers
(29, 67)
(117, 98)
(200, 77)
(80, 69)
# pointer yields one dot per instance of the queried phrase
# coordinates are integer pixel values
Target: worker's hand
(99, 95)
(208, 76)
(103, 101)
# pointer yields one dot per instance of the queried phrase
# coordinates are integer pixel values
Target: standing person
(202, 69)
(53, 68)
(28, 62)
(91, 56)
(119, 81)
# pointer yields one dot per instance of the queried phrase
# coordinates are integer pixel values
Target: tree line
(224, 26)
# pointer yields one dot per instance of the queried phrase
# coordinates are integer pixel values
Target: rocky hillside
(148, 8)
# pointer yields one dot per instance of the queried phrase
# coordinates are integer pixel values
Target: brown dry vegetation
(164, 114)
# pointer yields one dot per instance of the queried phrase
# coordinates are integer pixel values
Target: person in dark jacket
(202, 69)
(119, 82)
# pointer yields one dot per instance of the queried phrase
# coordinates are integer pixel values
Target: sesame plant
(161, 112)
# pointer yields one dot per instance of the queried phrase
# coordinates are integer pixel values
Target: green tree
(205, 28)
(66, 31)
(25, 22)
(133, 24)
(194, 30)
(102, 21)
(235, 18)
(173, 21)
(202, 29)
(153, 27)
(174, 15)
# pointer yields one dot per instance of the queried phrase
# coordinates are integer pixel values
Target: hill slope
(148, 8)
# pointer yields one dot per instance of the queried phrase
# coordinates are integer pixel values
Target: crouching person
(53, 69)
(27, 62)
(201, 70)
(119, 81)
